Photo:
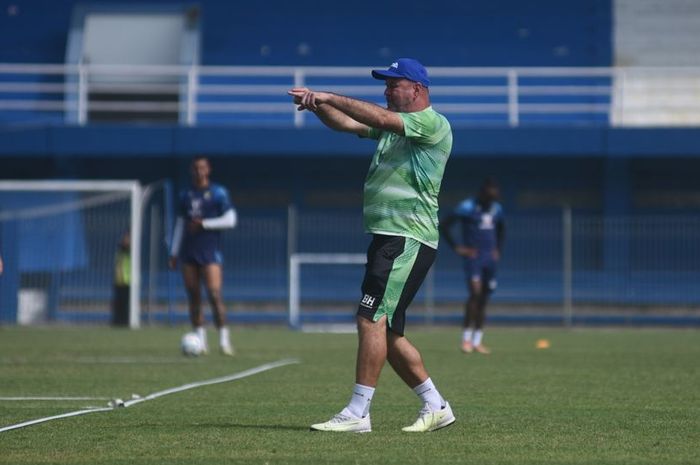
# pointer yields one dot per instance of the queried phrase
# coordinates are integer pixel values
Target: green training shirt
(403, 182)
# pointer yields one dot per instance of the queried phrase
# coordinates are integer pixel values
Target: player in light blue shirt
(204, 210)
(483, 234)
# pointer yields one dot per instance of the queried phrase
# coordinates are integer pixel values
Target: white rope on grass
(209, 382)
(118, 403)
(55, 417)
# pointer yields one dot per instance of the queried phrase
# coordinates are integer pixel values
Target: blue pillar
(9, 280)
(617, 207)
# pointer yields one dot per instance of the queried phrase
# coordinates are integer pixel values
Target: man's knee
(393, 340)
(214, 294)
(475, 287)
(193, 294)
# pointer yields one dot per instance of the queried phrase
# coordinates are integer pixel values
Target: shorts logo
(368, 301)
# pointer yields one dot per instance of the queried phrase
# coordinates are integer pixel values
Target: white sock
(224, 340)
(428, 393)
(202, 333)
(467, 335)
(360, 401)
(478, 336)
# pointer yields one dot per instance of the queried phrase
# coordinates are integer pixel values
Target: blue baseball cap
(404, 68)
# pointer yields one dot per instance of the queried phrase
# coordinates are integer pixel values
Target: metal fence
(80, 94)
(561, 267)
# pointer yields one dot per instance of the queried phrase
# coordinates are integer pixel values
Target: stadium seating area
(575, 34)
(481, 33)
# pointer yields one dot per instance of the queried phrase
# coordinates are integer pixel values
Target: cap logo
(394, 65)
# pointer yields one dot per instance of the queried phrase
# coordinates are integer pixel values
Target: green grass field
(594, 397)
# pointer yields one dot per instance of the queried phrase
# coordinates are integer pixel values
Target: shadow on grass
(255, 426)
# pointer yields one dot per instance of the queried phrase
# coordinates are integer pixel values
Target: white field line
(30, 398)
(108, 360)
(330, 328)
(155, 395)
(55, 417)
(129, 360)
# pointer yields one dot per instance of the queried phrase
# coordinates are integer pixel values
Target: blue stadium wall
(363, 32)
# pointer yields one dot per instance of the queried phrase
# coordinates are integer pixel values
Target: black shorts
(396, 267)
(483, 271)
(202, 257)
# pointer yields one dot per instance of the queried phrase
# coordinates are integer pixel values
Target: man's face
(400, 93)
(491, 194)
(200, 171)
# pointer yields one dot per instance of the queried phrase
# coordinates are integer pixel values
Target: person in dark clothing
(482, 236)
(122, 282)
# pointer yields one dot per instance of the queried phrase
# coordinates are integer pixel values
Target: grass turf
(595, 397)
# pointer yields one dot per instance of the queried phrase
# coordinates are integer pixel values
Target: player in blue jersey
(483, 235)
(204, 210)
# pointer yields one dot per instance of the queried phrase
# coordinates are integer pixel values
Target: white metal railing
(257, 95)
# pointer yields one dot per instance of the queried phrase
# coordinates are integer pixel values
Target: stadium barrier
(59, 241)
(557, 268)
(256, 95)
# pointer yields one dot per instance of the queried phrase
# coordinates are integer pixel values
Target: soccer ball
(191, 345)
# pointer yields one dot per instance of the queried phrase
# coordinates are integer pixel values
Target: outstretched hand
(306, 99)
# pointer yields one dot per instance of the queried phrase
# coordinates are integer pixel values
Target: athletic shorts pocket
(389, 247)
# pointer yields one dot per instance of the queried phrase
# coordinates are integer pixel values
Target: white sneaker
(346, 423)
(431, 420)
(227, 349)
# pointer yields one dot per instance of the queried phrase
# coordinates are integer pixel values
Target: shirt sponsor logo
(196, 208)
(486, 221)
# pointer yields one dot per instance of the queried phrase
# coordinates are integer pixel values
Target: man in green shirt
(400, 211)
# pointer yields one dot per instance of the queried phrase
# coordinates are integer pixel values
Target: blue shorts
(202, 257)
(483, 271)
